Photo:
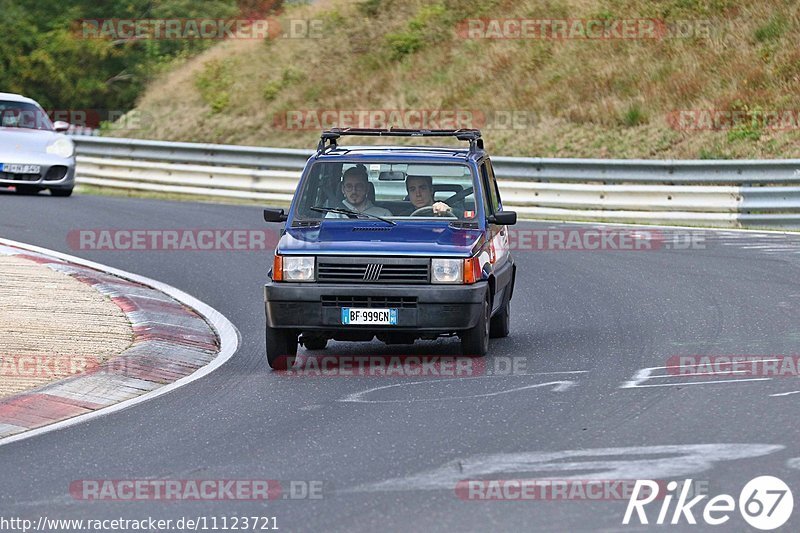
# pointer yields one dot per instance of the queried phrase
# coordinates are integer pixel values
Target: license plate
(11, 168)
(352, 316)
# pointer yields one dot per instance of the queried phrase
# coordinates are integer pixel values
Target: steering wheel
(429, 209)
(457, 197)
(419, 212)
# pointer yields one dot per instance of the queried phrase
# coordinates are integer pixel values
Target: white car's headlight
(295, 268)
(62, 147)
(447, 270)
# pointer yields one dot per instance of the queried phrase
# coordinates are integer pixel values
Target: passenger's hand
(441, 208)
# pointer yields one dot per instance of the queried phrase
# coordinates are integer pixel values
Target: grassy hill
(581, 97)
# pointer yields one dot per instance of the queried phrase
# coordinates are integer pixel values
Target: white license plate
(11, 168)
(353, 316)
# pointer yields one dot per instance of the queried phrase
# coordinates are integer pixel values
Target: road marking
(646, 374)
(591, 464)
(228, 335)
(786, 393)
(550, 373)
(358, 397)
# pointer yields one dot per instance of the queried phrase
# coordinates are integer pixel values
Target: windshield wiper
(350, 213)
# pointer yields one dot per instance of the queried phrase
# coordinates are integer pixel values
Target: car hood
(334, 237)
(26, 140)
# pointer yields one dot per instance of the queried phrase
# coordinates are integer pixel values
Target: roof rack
(329, 138)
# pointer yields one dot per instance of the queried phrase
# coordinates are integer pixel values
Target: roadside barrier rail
(727, 193)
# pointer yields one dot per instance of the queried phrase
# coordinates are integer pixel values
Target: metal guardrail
(194, 153)
(728, 193)
(83, 130)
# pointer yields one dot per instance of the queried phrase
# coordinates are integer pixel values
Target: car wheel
(27, 190)
(315, 343)
(61, 192)
(281, 348)
(475, 341)
(501, 322)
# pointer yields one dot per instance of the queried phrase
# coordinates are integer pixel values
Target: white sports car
(34, 153)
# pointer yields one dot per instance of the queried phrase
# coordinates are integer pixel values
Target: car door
(500, 255)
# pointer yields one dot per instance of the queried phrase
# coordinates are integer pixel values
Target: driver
(355, 184)
(420, 193)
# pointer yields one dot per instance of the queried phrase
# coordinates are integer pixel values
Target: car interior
(393, 193)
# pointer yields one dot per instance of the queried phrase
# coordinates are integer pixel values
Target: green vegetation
(634, 115)
(423, 28)
(771, 31)
(214, 83)
(45, 52)
(580, 97)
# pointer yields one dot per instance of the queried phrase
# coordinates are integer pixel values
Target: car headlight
(466, 271)
(62, 147)
(447, 271)
(293, 268)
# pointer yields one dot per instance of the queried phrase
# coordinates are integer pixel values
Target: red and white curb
(177, 339)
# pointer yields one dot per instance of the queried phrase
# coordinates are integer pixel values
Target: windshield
(387, 190)
(23, 115)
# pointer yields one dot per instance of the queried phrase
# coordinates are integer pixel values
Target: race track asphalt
(585, 324)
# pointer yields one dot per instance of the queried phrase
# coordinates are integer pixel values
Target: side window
(495, 192)
(490, 187)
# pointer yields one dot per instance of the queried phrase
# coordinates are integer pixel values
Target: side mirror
(504, 218)
(60, 126)
(275, 215)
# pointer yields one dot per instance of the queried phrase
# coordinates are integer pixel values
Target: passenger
(420, 193)
(355, 184)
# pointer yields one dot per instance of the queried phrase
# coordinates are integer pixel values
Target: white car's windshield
(388, 190)
(23, 115)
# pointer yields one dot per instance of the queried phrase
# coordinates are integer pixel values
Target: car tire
(315, 343)
(475, 341)
(27, 190)
(281, 348)
(62, 193)
(501, 322)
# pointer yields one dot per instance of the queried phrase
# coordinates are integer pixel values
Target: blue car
(394, 242)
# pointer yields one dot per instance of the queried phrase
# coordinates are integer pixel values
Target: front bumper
(41, 180)
(438, 308)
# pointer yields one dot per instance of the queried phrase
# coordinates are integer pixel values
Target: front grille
(373, 270)
(19, 177)
(371, 302)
